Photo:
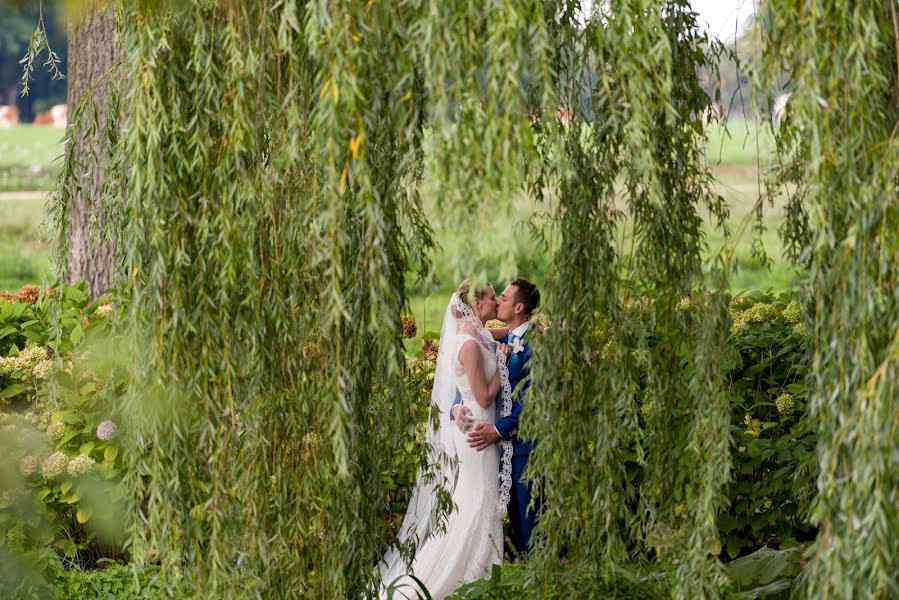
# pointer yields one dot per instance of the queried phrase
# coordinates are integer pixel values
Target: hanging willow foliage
(628, 180)
(271, 155)
(840, 146)
(270, 158)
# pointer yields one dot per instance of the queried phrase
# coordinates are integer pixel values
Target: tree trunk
(91, 54)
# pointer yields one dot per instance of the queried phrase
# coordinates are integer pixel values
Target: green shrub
(109, 580)
(58, 431)
(765, 364)
(772, 443)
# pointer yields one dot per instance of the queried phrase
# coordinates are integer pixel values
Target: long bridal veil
(435, 484)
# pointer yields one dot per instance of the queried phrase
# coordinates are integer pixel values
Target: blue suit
(522, 520)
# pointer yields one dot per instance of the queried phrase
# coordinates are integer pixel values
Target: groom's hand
(462, 415)
(482, 436)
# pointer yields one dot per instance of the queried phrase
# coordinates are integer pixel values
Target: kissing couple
(474, 454)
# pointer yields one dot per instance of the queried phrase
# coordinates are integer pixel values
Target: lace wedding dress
(471, 542)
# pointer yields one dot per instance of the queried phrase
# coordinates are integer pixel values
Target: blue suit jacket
(519, 378)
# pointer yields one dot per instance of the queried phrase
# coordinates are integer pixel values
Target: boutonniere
(517, 346)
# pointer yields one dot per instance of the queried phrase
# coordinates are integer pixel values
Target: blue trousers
(521, 519)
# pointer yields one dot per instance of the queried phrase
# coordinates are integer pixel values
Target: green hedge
(60, 381)
(765, 364)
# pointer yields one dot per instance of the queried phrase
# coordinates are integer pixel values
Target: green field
(23, 255)
(30, 157)
(495, 244)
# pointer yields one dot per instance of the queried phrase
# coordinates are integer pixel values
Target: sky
(721, 17)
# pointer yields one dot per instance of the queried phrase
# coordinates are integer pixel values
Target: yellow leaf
(334, 92)
(355, 143)
(83, 515)
(342, 187)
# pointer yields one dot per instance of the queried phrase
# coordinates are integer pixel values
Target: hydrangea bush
(58, 426)
(772, 445)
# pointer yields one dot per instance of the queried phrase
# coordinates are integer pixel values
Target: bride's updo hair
(469, 290)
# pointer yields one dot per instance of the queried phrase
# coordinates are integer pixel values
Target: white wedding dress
(471, 542)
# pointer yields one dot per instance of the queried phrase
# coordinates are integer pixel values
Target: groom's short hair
(527, 294)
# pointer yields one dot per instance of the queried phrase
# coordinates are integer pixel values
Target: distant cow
(9, 115)
(57, 116)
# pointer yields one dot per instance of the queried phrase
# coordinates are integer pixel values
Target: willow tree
(840, 153)
(629, 166)
(271, 157)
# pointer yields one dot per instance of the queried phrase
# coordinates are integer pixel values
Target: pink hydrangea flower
(106, 430)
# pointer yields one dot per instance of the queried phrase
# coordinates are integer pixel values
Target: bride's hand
(463, 418)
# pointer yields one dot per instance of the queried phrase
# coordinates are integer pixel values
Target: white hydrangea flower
(25, 361)
(103, 310)
(54, 465)
(56, 430)
(81, 465)
(793, 312)
(784, 404)
(42, 369)
(29, 465)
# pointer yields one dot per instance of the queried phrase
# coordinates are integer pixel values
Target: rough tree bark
(91, 54)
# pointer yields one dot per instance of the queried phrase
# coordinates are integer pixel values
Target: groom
(515, 306)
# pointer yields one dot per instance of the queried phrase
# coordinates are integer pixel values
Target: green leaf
(65, 486)
(733, 546)
(84, 514)
(75, 336)
(764, 566)
(72, 418)
(86, 448)
(109, 455)
(69, 436)
(13, 390)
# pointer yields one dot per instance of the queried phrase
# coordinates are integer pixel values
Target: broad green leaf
(13, 390)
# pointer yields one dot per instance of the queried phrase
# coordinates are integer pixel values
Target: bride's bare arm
(499, 333)
(484, 391)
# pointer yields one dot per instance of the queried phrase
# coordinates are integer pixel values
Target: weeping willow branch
(628, 166)
(843, 150)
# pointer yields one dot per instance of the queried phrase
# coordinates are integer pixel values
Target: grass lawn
(23, 255)
(28, 157)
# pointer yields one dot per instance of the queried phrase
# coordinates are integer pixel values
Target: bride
(470, 542)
